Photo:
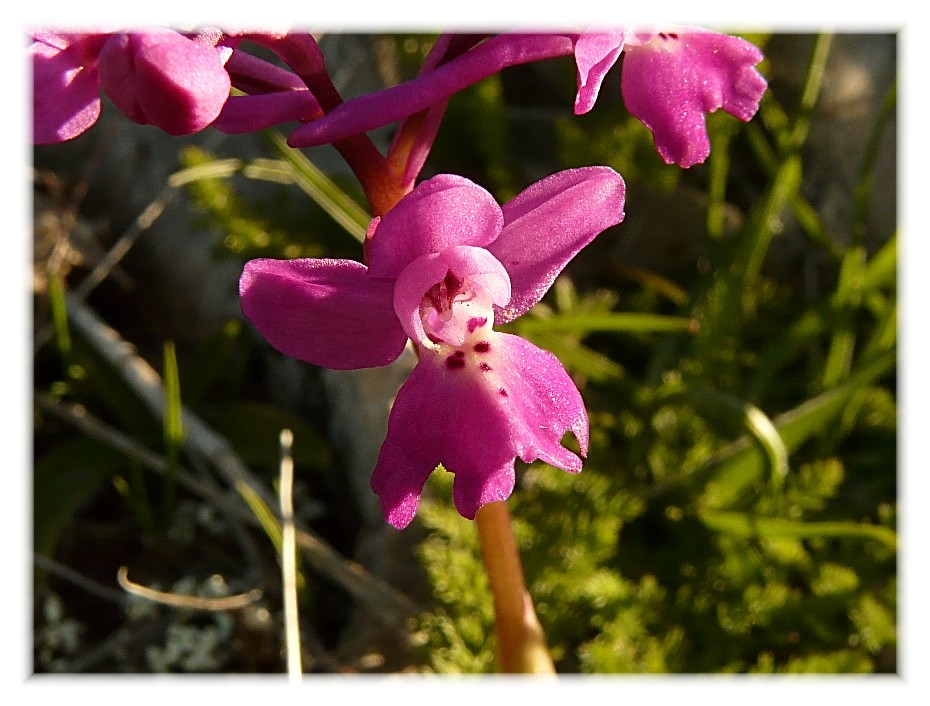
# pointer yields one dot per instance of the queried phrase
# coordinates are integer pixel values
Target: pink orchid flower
(670, 80)
(158, 77)
(444, 265)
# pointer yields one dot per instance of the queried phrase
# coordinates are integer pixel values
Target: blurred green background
(734, 340)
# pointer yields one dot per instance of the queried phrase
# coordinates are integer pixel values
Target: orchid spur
(444, 265)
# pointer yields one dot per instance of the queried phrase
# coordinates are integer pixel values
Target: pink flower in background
(444, 265)
(160, 77)
(670, 80)
(66, 88)
(165, 79)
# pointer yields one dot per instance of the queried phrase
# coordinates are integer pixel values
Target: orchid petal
(162, 78)
(325, 312)
(548, 224)
(510, 399)
(673, 81)
(542, 402)
(472, 490)
(595, 54)
(66, 91)
(439, 213)
(433, 419)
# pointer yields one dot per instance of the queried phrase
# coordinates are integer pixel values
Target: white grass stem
(289, 558)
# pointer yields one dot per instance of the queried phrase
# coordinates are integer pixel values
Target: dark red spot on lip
(502, 392)
(456, 360)
(476, 322)
(485, 367)
(482, 347)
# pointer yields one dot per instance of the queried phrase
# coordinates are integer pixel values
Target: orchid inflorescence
(444, 262)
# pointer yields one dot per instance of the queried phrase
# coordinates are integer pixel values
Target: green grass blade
(784, 186)
(814, 82)
(740, 464)
(339, 205)
(653, 282)
(578, 358)
(885, 335)
(56, 297)
(213, 169)
(266, 518)
(173, 418)
(882, 270)
(608, 323)
(747, 525)
(173, 429)
(738, 414)
(808, 219)
(867, 172)
(847, 298)
(718, 166)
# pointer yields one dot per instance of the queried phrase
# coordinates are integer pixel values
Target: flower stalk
(521, 643)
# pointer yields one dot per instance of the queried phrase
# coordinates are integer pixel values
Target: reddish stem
(521, 643)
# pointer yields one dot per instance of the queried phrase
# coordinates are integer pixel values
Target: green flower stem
(521, 643)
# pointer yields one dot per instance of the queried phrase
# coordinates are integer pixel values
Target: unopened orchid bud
(164, 79)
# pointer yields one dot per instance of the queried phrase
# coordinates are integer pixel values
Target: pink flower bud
(162, 78)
